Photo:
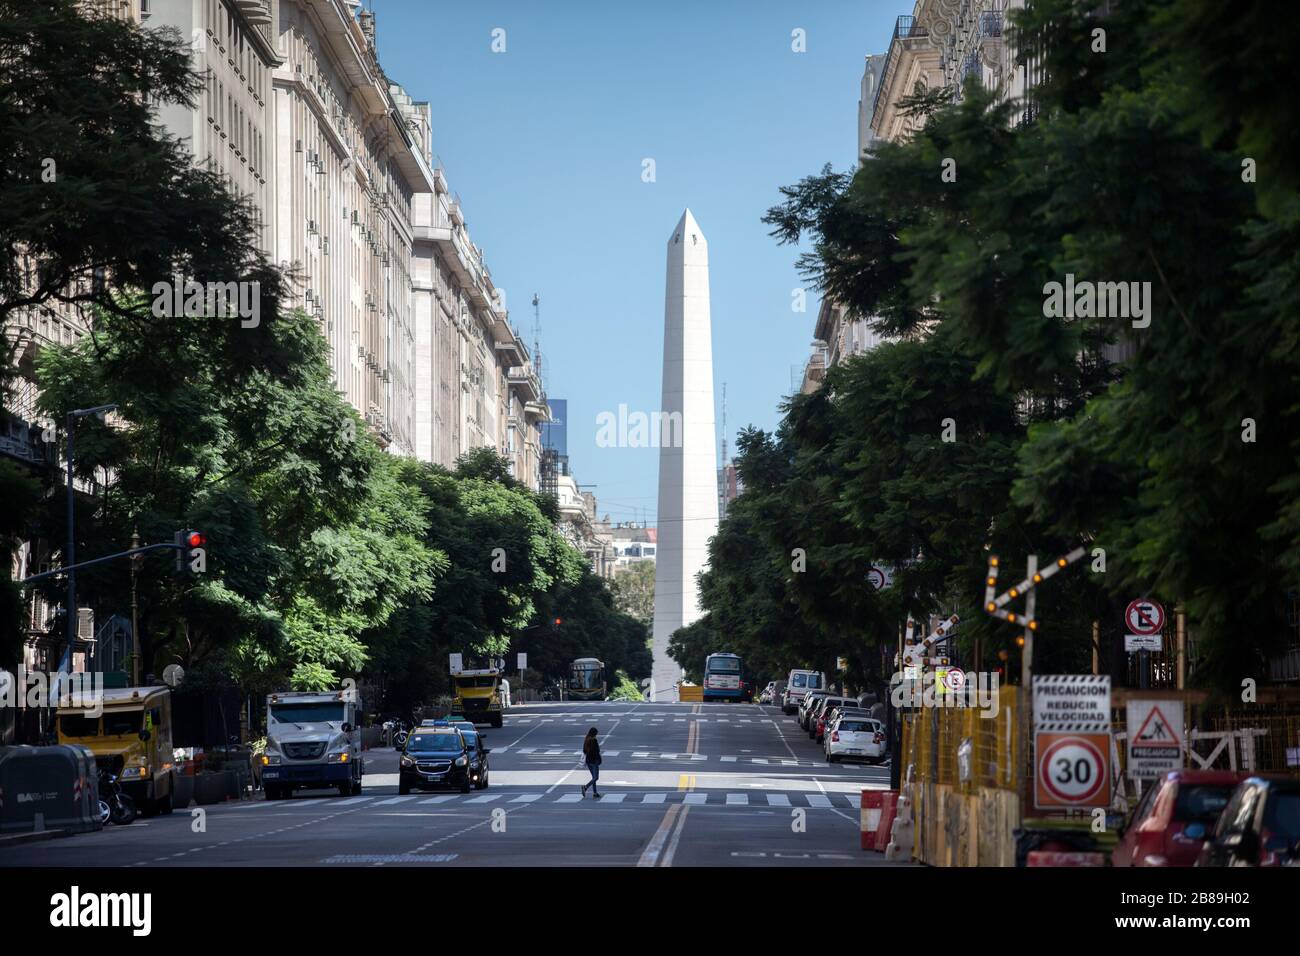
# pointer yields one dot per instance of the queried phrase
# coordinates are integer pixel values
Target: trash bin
(52, 788)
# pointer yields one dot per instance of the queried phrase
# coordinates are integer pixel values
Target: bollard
(901, 834)
(872, 805)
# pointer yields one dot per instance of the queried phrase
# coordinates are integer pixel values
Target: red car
(1175, 817)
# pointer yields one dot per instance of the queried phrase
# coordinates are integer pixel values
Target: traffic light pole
(72, 568)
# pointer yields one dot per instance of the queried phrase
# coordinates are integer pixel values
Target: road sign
(523, 662)
(1072, 703)
(949, 680)
(879, 578)
(1143, 642)
(1155, 742)
(1071, 770)
(841, 663)
(457, 664)
(1144, 616)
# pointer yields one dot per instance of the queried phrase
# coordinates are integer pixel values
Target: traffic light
(559, 621)
(191, 551)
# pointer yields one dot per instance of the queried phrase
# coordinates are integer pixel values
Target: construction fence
(970, 772)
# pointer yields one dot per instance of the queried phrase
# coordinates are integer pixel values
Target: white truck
(313, 740)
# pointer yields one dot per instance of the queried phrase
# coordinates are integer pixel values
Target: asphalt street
(682, 784)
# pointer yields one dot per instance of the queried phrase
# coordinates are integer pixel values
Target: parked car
(1170, 824)
(1260, 826)
(799, 684)
(851, 737)
(806, 705)
(822, 710)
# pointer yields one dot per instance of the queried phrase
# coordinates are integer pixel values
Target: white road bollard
(901, 832)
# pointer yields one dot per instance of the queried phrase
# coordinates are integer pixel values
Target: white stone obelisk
(688, 479)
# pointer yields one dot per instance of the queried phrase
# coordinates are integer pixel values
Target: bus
(722, 677)
(586, 679)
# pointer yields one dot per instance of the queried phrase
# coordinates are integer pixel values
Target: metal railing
(905, 28)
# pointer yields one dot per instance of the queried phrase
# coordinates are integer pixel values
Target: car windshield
(307, 713)
(434, 743)
(799, 680)
(471, 740)
(814, 680)
(1201, 803)
(469, 683)
(122, 722)
(724, 665)
(79, 726)
(1282, 815)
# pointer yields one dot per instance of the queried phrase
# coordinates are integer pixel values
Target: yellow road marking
(686, 781)
(656, 846)
(677, 835)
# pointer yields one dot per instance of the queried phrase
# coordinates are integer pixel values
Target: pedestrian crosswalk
(651, 755)
(753, 798)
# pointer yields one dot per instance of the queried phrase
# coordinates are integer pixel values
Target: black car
(435, 757)
(478, 759)
(1260, 826)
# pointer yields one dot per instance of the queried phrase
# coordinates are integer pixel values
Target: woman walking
(591, 754)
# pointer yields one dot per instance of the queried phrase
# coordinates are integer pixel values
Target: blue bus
(722, 677)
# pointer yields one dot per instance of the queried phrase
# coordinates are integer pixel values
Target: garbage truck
(478, 692)
(313, 741)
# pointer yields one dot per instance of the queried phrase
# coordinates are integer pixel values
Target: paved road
(683, 785)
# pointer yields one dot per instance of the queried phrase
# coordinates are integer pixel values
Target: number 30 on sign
(1072, 770)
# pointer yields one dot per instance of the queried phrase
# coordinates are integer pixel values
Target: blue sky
(545, 142)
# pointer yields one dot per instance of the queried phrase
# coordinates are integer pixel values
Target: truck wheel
(166, 805)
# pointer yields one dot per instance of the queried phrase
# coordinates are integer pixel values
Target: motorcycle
(114, 805)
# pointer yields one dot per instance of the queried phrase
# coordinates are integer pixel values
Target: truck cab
(313, 741)
(478, 695)
(131, 738)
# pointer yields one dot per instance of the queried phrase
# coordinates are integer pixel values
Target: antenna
(537, 335)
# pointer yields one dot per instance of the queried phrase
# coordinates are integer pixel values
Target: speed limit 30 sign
(1072, 770)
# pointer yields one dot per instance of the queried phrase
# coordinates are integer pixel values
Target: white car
(855, 738)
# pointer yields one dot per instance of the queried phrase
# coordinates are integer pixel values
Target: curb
(13, 839)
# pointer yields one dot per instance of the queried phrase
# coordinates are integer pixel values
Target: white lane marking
(728, 759)
(737, 799)
(654, 798)
(350, 800)
(778, 800)
(677, 835)
(612, 797)
(442, 798)
(569, 798)
(527, 797)
(696, 798)
(761, 760)
(391, 800)
(485, 798)
(526, 750)
(819, 800)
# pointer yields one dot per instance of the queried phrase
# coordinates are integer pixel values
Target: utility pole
(136, 560)
(1031, 602)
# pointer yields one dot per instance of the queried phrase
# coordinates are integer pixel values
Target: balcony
(524, 378)
(905, 28)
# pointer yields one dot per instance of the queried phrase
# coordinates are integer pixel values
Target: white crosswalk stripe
(696, 798)
(733, 799)
(612, 797)
(648, 798)
(522, 798)
(382, 803)
(485, 798)
(570, 798)
(814, 799)
(441, 798)
(778, 800)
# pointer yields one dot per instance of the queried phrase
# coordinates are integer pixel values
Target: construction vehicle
(478, 693)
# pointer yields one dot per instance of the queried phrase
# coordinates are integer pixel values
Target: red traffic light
(196, 539)
(558, 621)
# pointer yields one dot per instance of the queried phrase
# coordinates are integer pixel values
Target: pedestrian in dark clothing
(591, 754)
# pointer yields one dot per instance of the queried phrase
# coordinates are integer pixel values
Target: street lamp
(100, 411)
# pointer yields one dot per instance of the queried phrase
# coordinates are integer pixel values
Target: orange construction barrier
(888, 809)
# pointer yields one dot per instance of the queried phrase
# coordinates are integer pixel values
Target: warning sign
(1155, 737)
(1071, 770)
(1072, 703)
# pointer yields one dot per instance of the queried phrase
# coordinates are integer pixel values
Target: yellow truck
(132, 737)
(478, 695)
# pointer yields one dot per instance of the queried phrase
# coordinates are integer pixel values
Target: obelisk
(688, 480)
